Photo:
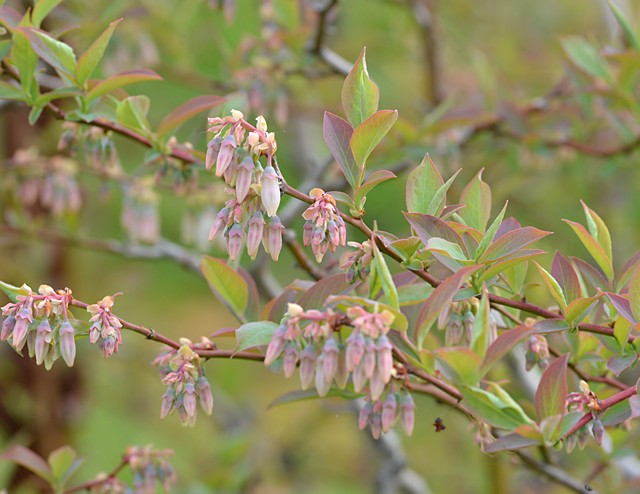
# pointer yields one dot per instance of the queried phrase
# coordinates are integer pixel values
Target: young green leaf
(368, 135)
(634, 293)
(376, 178)
(56, 53)
(491, 233)
(9, 91)
(41, 9)
(553, 286)
(428, 227)
(360, 95)
(593, 247)
(510, 442)
(586, 57)
(578, 309)
(476, 198)
(253, 334)
(482, 326)
(505, 414)
(460, 365)
(388, 286)
(90, 59)
(627, 28)
(508, 262)
(337, 135)
(25, 60)
(598, 229)
(132, 113)
(227, 285)
(121, 80)
(422, 184)
(512, 242)
(63, 462)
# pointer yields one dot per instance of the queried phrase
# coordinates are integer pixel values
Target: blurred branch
(318, 46)
(87, 486)
(555, 474)
(424, 13)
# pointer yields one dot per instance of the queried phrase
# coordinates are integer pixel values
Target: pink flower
(23, 319)
(235, 239)
(244, 178)
(67, 343)
(270, 191)
(274, 237)
(44, 337)
(254, 234)
(227, 151)
(219, 224)
(213, 148)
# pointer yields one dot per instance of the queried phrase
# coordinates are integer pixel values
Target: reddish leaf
(565, 274)
(186, 111)
(316, 296)
(275, 308)
(551, 394)
(120, 80)
(337, 134)
(369, 133)
(506, 226)
(627, 270)
(590, 274)
(427, 227)
(360, 94)
(29, 460)
(503, 345)
(510, 442)
(508, 262)
(440, 300)
(512, 242)
(634, 293)
(546, 326)
(623, 307)
(373, 180)
(617, 364)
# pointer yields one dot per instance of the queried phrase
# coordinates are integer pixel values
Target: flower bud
(376, 386)
(307, 233)
(342, 375)
(290, 359)
(204, 393)
(244, 177)
(342, 231)
(369, 359)
(323, 385)
(359, 378)
(270, 191)
(213, 148)
(7, 327)
(167, 404)
(43, 331)
(307, 365)
(254, 234)
(598, 430)
(389, 412)
(363, 416)
(235, 239)
(23, 318)
(330, 359)
(276, 346)
(332, 230)
(189, 400)
(375, 423)
(219, 223)
(385, 358)
(67, 343)
(261, 124)
(407, 414)
(227, 150)
(274, 237)
(355, 350)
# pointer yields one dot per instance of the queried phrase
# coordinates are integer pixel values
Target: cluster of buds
(313, 339)
(40, 321)
(585, 400)
(92, 145)
(140, 218)
(150, 467)
(105, 327)
(181, 370)
(236, 150)
(461, 323)
(324, 229)
(357, 263)
(45, 184)
(536, 352)
(106, 484)
(381, 414)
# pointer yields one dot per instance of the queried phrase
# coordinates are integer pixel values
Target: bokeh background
(493, 56)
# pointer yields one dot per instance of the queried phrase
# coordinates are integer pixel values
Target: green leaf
(29, 460)
(578, 309)
(437, 204)
(60, 93)
(448, 249)
(428, 227)
(476, 198)
(186, 111)
(376, 178)
(253, 334)
(41, 9)
(56, 53)
(593, 247)
(360, 94)
(91, 58)
(25, 60)
(508, 262)
(9, 91)
(551, 395)
(586, 57)
(494, 409)
(227, 285)
(34, 114)
(482, 326)
(621, 330)
(553, 286)
(512, 242)
(368, 135)
(598, 229)
(337, 135)
(627, 28)
(13, 291)
(121, 80)
(510, 442)
(388, 286)
(491, 232)
(132, 113)
(437, 306)
(422, 184)
(61, 461)
(460, 365)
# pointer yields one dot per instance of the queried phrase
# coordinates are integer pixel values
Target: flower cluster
(105, 329)
(461, 323)
(381, 414)
(585, 400)
(236, 149)
(140, 218)
(357, 263)
(536, 352)
(313, 339)
(324, 228)
(182, 372)
(150, 466)
(41, 321)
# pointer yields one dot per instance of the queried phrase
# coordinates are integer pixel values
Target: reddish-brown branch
(86, 486)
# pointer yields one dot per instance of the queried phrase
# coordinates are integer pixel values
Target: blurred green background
(491, 52)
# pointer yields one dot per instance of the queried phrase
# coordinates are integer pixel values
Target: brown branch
(424, 13)
(555, 474)
(86, 486)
